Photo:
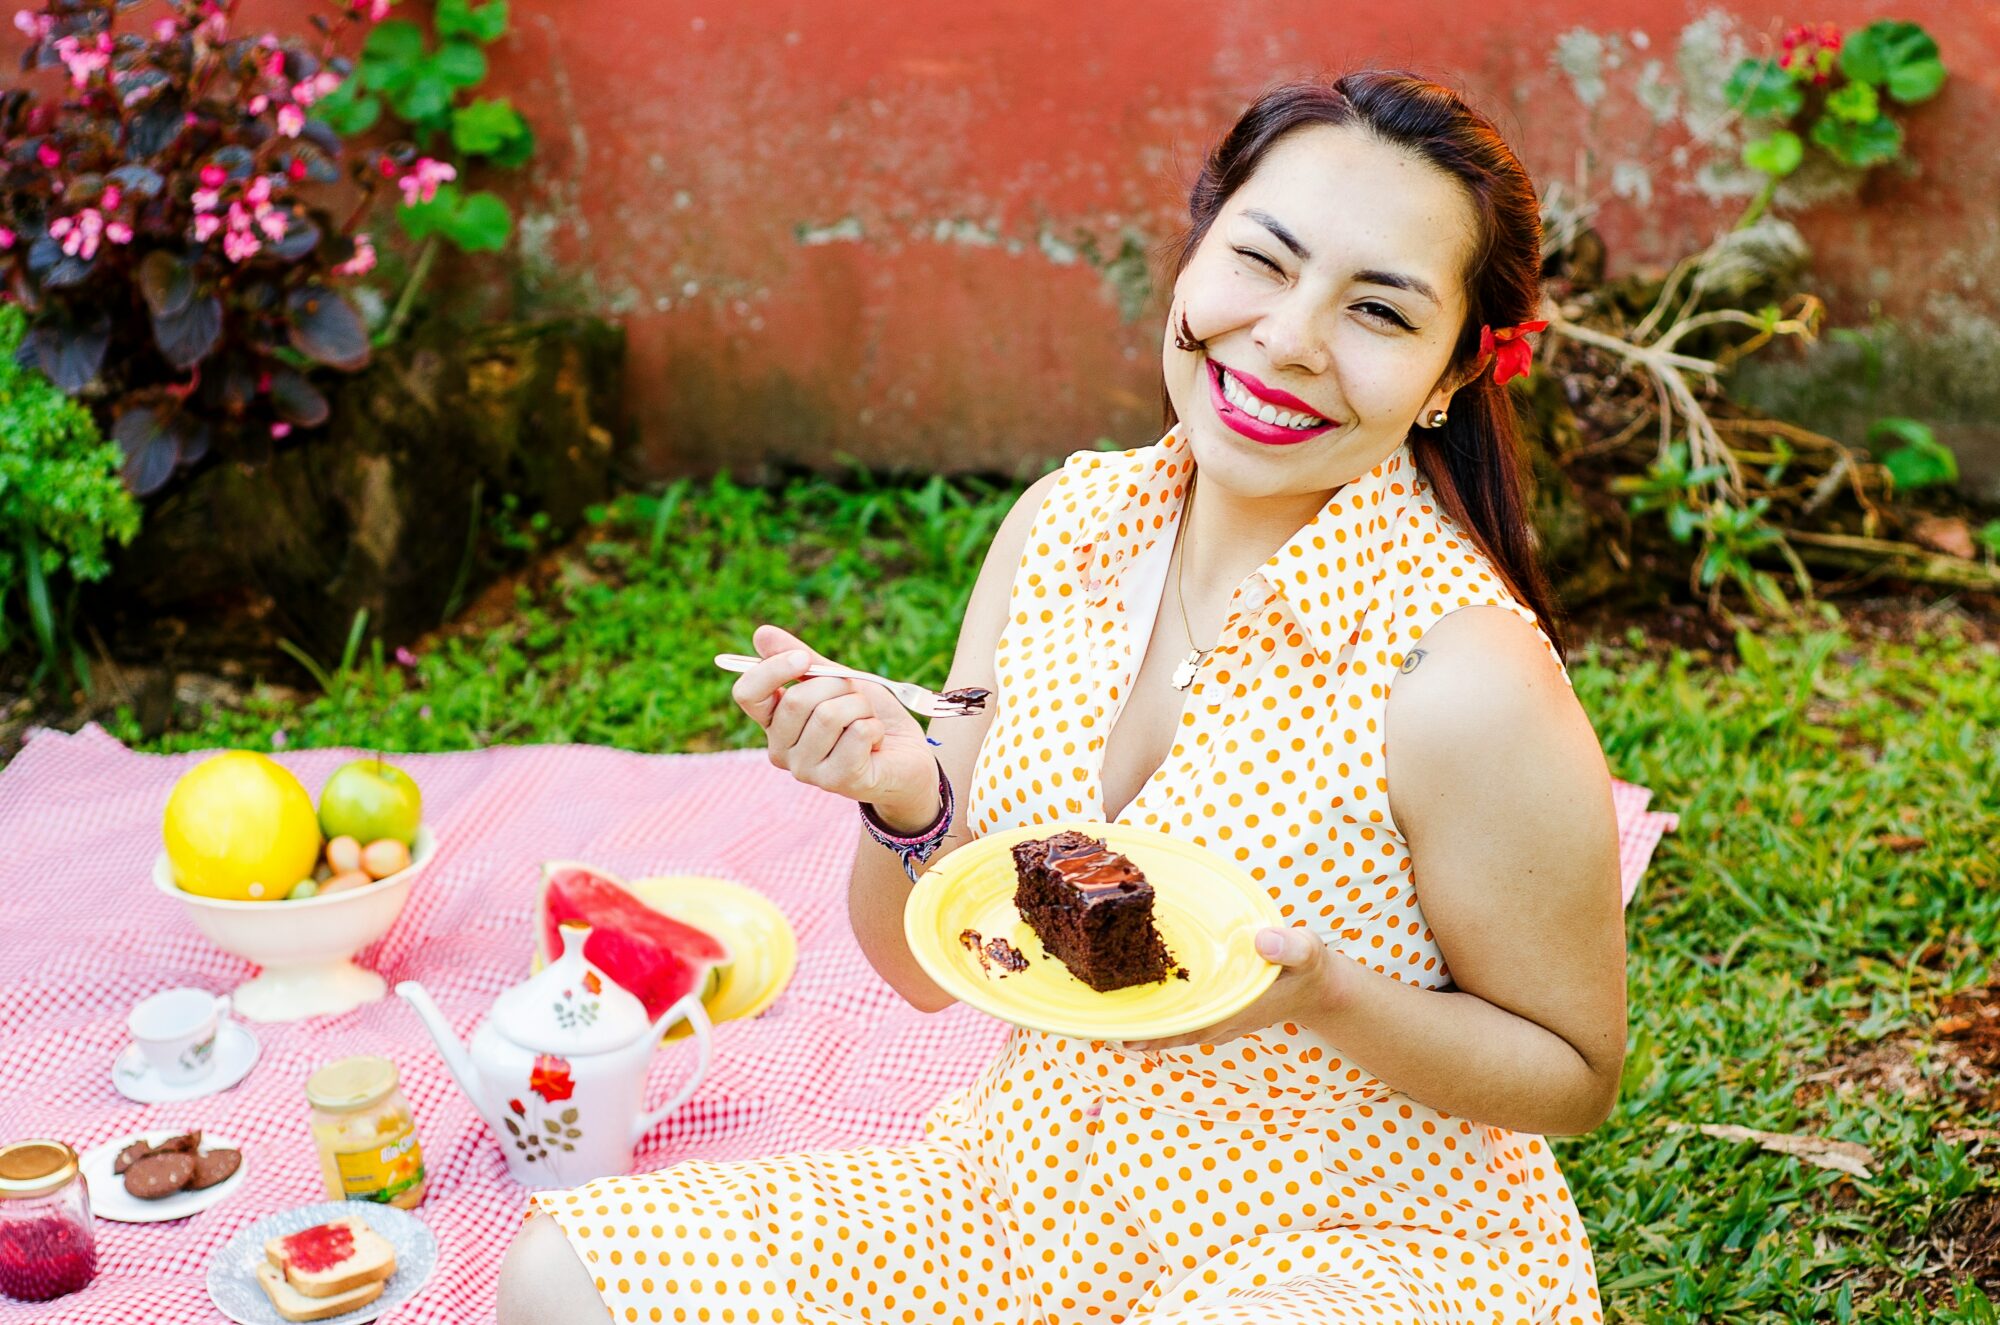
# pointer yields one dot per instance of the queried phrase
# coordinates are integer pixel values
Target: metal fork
(924, 703)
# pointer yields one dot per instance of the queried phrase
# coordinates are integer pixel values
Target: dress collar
(1326, 572)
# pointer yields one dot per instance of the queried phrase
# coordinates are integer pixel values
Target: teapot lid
(570, 1007)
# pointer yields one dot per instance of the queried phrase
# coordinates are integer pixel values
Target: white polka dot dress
(1258, 1180)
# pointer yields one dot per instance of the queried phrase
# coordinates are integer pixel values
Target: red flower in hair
(1509, 349)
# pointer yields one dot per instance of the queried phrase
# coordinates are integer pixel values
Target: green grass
(1791, 924)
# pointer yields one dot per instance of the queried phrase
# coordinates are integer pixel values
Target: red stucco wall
(882, 227)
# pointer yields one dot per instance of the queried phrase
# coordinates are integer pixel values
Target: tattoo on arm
(1410, 662)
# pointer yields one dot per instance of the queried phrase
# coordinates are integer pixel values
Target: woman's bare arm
(878, 888)
(1498, 782)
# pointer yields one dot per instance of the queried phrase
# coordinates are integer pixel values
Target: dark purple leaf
(194, 439)
(151, 131)
(166, 282)
(151, 451)
(70, 358)
(297, 400)
(236, 159)
(301, 237)
(321, 135)
(54, 268)
(322, 171)
(137, 85)
(328, 329)
(186, 337)
(140, 181)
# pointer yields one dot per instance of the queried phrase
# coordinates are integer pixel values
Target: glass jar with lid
(48, 1246)
(366, 1135)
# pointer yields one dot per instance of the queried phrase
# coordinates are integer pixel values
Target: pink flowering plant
(430, 86)
(179, 222)
(1830, 88)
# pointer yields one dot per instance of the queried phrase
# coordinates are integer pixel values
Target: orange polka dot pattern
(1261, 1179)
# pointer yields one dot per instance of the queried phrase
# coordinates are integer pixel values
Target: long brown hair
(1476, 462)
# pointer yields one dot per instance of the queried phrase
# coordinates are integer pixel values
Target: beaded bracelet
(923, 845)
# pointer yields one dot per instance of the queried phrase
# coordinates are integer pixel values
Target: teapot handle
(697, 1016)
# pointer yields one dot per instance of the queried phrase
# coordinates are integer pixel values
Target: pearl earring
(1434, 419)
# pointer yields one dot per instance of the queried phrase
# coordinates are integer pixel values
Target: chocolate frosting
(1092, 867)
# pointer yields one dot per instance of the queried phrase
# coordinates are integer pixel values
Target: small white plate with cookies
(336, 1262)
(138, 1179)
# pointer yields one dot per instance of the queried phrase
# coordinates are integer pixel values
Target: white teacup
(176, 1030)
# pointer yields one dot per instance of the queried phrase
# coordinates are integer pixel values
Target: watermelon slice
(658, 959)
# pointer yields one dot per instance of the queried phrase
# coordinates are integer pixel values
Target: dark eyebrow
(1398, 281)
(1394, 280)
(1285, 237)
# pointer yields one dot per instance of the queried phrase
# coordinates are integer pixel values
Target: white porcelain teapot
(558, 1069)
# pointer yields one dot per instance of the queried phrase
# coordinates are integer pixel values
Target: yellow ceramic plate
(763, 950)
(1207, 910)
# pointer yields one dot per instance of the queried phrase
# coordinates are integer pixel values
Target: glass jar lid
(35, 1168)
(351, 1083)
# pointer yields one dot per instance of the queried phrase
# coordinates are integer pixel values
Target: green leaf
(460, 18)
(1895, 54)
(1921, 460)
(1777, 153)
(424, 219)
(459, 63)
(426, 98)
(1759, 88)
(1857, 103)
(1989, 537)
(1916, 81)
(1859, 145)
(391, 54)
(485, 126)
(481, 225)
(1914, 468)
(349, 109)
(516, 150)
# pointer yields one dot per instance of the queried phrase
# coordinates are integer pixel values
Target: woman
(1248, 635)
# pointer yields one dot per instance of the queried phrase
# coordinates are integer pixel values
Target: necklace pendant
(1184, 674)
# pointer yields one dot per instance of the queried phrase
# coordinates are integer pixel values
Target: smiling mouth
(1250, 413)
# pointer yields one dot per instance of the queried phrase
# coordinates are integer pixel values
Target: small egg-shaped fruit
(344, 854)
(303, 889)
(341, 883)
(384, 857)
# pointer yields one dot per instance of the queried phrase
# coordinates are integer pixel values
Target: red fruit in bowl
(658, 959)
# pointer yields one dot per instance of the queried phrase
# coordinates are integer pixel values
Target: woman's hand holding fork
(846, 736)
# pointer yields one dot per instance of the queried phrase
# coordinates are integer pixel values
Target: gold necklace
(1184, 674)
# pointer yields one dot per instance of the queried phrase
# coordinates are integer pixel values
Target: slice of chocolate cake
(1091, 908)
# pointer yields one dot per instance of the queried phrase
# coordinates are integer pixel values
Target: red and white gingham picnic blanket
(839, 1060)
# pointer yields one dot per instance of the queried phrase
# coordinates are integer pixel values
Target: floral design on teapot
(536, 1135)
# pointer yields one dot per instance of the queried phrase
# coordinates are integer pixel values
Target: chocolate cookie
(159, 1174)
(138, 1150)
(212, 1166)
(187, 1142)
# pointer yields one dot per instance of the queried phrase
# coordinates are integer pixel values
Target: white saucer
(236, 1052)
(110, 1200)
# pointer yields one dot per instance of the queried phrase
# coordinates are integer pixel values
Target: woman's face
(1329, 294)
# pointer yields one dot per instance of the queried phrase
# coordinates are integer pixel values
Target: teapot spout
(457, 1058)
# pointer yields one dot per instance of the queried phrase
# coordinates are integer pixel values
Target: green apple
(368, 800)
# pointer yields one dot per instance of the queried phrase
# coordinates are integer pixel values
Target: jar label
(381, 1173)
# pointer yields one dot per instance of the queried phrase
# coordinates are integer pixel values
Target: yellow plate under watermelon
(763, 950)
(1207, 910)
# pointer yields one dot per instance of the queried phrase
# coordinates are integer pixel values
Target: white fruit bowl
(306, 948)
